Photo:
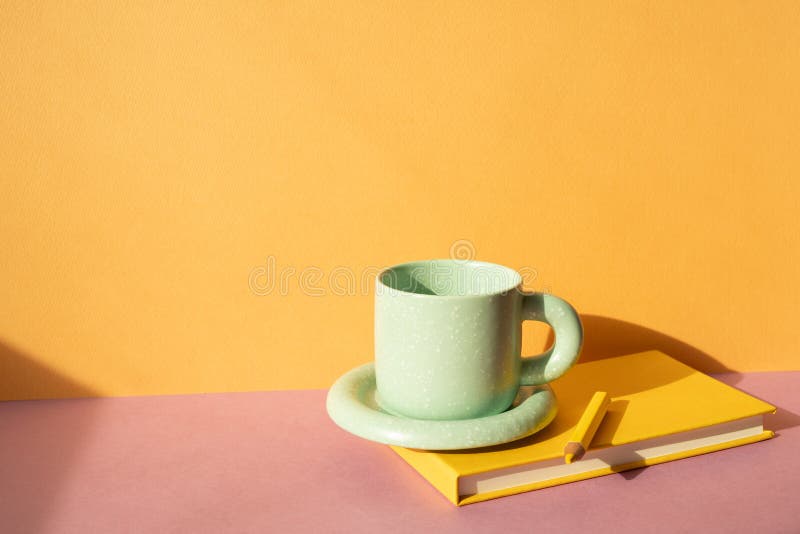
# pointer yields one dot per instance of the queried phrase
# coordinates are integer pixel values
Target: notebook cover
(652, 394)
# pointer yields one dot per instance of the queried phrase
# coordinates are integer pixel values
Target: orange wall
(642, 159)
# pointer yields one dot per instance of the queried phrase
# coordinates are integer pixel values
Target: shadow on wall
(39, 441)
(605, 337)
(23, 378)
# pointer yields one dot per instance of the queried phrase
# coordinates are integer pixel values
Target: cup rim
(514, 275)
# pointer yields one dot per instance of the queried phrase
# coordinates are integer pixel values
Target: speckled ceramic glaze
(448, 371)
(351, 404)
(448, 339)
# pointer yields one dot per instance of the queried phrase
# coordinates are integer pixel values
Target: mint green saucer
(351, 404)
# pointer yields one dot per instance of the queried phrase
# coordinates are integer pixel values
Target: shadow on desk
(38, 440)
(781, 420)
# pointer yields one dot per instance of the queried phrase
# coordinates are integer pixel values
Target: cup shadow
(606, 337)
(39, 440)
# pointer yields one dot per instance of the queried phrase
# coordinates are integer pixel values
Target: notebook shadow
(781, 420)
(39, 440)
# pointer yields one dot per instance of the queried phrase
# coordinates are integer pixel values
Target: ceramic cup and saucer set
(448, 373)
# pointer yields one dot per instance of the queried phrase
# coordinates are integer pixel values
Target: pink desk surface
(273, 462)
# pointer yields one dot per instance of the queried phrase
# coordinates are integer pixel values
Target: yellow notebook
(661, 410)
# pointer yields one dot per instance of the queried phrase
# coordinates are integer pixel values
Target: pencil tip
(573, 452)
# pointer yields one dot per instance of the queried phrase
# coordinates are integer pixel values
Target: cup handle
(566, 325)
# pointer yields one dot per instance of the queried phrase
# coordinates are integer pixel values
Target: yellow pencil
(587, 426)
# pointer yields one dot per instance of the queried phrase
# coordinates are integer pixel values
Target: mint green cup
(448, 339)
